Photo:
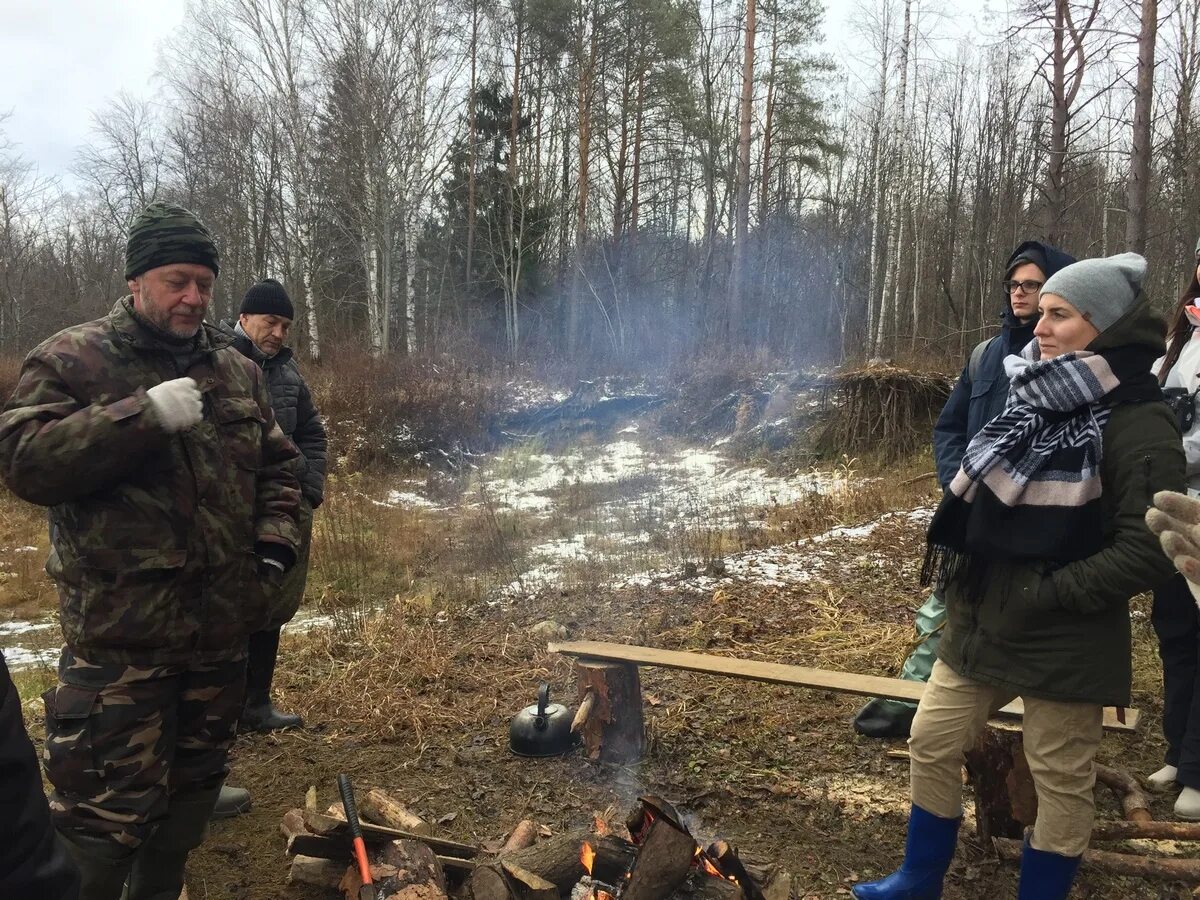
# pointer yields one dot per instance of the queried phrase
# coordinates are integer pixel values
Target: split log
(292, 823)
(584, 711)
(1119, 863)
(778, 888)
(614, 730)
(663, 861)
(557, 859)
(401, 870)
(326, 873)
(708, 887)
(529, 886)
(1134, 801)
(1161, 831)
(524, 835)
(488, 883)
(380, 808)
(1005, 799)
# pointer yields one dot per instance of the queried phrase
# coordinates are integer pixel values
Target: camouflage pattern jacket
(154, 533)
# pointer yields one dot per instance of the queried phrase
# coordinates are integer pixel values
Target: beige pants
(1060, 746)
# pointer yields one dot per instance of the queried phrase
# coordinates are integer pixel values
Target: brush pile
(882, 409)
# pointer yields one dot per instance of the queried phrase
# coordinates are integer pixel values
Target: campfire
(654, 856)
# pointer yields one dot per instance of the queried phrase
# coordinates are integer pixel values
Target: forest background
(628, 183)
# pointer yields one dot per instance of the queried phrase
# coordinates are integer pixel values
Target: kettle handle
(543, 702)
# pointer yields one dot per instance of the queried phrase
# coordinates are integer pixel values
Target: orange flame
(587, 856)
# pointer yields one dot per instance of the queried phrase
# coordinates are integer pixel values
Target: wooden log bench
(610, 689)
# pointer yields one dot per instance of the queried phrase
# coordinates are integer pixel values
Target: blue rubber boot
(927, 854)
(1046, 875)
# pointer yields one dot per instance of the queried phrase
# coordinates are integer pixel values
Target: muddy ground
(419, 703)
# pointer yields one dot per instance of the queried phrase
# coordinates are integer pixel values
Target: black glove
(274, 560)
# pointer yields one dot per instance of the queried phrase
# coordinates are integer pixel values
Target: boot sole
(240, 810)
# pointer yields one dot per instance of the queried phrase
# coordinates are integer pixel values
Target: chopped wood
(779, 673)
(292, 823)
(1119, 863)
(709, 887)
(400, 869)
(488, 883)
(529, 886)
(335, 811)
(524, 835)
(1134, 800)
(326, 873)
(585, 710)
(779, 887)
(663, 861)
(310, 798)
(1162, 831)
(379, 808)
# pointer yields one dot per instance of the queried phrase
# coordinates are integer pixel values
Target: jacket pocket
(239, 425)
(132, 599)
(69, 754)
(981, 387)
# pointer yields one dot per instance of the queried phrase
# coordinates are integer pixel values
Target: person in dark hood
(977, 398)
(1174, 613)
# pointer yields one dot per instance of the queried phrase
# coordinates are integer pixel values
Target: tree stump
(1005, 798)
(613, 730)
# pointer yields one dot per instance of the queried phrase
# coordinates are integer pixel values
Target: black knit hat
(268, 298)
(163, 234)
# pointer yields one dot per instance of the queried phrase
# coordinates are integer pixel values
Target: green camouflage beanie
(162, 234)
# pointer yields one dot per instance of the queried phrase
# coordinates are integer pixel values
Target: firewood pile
(882, 408)
(652, 855)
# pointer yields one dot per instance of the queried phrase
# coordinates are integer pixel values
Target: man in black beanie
(259, 334)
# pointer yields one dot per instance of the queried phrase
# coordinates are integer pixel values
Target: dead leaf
(447, 818)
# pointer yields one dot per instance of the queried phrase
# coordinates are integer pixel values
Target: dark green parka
(154, 533)
(1061, 632)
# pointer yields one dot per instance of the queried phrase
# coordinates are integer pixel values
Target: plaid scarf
(1029, 486)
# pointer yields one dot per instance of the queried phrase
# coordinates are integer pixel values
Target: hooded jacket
(976, 401)
(294, 410)
(1061, 632)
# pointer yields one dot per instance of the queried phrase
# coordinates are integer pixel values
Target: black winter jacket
(976, 401)
(294, 411)
(32, 862)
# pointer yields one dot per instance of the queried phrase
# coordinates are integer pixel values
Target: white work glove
(1175, 518)
(176, 403)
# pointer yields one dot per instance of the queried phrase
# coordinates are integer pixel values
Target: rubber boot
(927, 855)
(258, 713)
(233, 801)
(882, 718)
(159, 868)
(103, 863)
(1046, 875)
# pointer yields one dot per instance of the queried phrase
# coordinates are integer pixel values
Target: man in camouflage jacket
(173, 509)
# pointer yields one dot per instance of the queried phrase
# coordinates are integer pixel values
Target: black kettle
(543, 729)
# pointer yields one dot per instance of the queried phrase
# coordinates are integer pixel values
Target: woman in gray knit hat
(1040, 543)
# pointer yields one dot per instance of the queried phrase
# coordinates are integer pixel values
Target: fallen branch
(1162, 831)
(1118, 863)
(1134, 801)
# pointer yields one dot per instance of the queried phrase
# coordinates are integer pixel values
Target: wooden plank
(341, 847)
(780, 673)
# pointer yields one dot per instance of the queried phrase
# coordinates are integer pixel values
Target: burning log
(558, 859)
(382, 809)
(1005, 799)
(613, 729)
(663, 862)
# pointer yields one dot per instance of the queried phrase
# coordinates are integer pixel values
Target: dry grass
(24, 587)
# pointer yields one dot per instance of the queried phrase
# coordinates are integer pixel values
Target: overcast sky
(61, 60)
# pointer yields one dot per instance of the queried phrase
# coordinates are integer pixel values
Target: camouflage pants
(120, 739)
(291, 592)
